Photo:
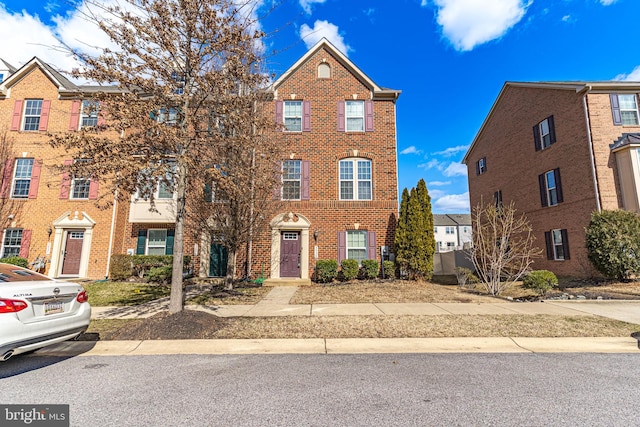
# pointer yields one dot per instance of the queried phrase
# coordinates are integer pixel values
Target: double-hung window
(157, 242)
(89, 113)
(22, 173)
(449, 230)
(160, 186)
(32, 112)
(354, 116)
(550, 188)
(293, 116)
(355, 179)
(481, 166)
(544, 134)
(557, 242)
(357, 245)
(625, 109)
(80, 186)
(291, 179)
(11, 242)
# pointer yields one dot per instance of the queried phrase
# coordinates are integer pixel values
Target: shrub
(121, 267)
(540, 281)
(370, 268)
(16, 260)
(160, 274)
(466, 278)
(613, 243)
(349, 269)
(326, 270)
(389, 268)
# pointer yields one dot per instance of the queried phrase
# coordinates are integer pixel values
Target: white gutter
(111, 233)
(591, 149)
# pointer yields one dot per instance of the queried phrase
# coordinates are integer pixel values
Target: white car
(36, 311)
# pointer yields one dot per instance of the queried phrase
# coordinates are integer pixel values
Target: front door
(218, 257)
(290, 254)
(72, 253)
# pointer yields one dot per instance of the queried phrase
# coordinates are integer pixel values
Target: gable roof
(577, 86)
(378, 92)
(6, 66)
(451, 219)
(63, 84)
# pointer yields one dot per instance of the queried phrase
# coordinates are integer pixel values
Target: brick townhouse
(338, 197)
(560, 151)
(46, 214)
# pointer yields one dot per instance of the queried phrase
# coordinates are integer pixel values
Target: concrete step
(287, 281)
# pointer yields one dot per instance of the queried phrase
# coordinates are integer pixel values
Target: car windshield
(12, 273)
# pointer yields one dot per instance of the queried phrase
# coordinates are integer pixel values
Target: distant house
(560, 151)
(452, 231)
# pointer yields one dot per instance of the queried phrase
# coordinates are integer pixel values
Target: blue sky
(450, 58)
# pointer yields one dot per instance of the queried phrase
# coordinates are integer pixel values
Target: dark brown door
(72, 252)
(290, 254)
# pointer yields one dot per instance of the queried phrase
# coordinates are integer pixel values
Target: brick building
(338, 199)
(560, 151)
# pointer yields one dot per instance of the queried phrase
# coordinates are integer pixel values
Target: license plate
(53, 307)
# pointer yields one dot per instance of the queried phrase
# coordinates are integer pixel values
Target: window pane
(629, 117)
(364, 190)
(293, 115)
(354, 113)
(157, 237)
(291, 190)
(291, 169)
(22, 177)
(627, 102)
(80, 189)
(346, 190)
(346, 169)
(164, 191)
(156, 251)
(89, 113)
(11, 243)
(357, 245)
(32, 111)
(551, 180)
(356, 239)
(544, 127)
(364, 170)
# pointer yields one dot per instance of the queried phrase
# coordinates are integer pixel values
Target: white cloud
(434, 163)
(411, 150)
(453, 203)
(325, 29)
(469, 23)
(633, 76)
(438, 183)
(455, 169)
(436, 194)
(607, 2)
(306, 5)
(451, 151)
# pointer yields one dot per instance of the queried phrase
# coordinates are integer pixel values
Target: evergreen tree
(401, 241)
(427, 242)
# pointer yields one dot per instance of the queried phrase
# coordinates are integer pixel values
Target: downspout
(111, 233)
(591, 149)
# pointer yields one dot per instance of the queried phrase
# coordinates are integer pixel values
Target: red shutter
(93, 189)
(306, 116)
(35, 178)
(615, 109)
(305, 180)
(66, 182)
(7, 174)
(102, 113)
(277, 189)
(341, 116)
(342, 246)
(371, 245)
(279, 113)
(368, 116)
(75, 115)
(44, 115)
(25, 243)
(17, 115)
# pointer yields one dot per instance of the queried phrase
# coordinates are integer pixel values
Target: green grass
(123, 293)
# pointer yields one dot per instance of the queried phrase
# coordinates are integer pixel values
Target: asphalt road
(567, 389)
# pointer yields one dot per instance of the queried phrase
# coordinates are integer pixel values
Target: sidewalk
(276, 303)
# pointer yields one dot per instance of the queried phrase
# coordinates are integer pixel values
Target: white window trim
(92, 115)
(549, 189)
(354, 180)
(482, 167)
(146, 243)
(4, 235)
(299, 180)
(556, 244)
(348, 116)
(13, 181)
(544, 143)
(347, 247)
(634, 110)
(24, 115)
(285, 116)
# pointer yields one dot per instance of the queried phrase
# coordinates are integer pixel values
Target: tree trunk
(176, 300)
(231, 269)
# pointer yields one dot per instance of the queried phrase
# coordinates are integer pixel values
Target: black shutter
(615, 109)
(543, 190)
(142, 242)
(549, 243)
(556, 173)
(552, 130)
(565, 243)
(478, 167)
(536, 137)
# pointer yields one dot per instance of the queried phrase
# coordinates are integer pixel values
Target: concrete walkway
(276, 303)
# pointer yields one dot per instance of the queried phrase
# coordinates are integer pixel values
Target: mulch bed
(190, 324)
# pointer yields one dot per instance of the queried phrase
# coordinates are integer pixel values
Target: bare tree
(177, 70)
(503, 248)
(7, 205)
